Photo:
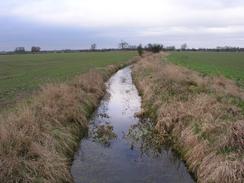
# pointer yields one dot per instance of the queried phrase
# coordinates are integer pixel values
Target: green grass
(228, 64)
(21, 74)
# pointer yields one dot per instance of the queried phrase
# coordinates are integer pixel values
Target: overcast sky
(75, 24)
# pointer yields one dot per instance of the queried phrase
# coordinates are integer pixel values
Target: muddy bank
(39, 137)
(201, 118)
(121, 147)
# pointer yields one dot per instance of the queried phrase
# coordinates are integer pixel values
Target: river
(121, 156)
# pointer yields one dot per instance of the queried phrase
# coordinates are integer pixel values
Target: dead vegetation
(39, 137)
(146, 137)
(104, 134)
(202, 116)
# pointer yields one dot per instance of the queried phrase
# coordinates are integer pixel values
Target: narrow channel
(110, 155)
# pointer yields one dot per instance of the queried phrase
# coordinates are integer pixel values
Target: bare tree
(184, 46)
(123, 45)
(93, 46)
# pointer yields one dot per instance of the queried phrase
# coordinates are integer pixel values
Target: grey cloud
(73, 24)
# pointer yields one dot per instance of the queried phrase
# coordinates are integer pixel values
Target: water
(122, 159)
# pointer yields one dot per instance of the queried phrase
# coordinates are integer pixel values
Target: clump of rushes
(145, 136)
(104, 134)
(195, 114)
(39, 137)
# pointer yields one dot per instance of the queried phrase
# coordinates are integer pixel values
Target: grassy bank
(228, 64)
(21, 74)
(202, 117)
(38, 139)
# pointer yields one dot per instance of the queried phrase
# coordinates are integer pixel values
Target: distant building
(169, 48)
(20, 50)
(35, 49)
(132, 47)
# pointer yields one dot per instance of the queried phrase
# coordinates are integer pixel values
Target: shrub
(155, 48)
(140, 50)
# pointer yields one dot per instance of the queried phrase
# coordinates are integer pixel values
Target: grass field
(21, 74)
(228, 64)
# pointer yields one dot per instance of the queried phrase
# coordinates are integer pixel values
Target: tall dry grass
(39, 137)
(196, 115)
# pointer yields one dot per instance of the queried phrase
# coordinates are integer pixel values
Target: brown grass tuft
(236, 138)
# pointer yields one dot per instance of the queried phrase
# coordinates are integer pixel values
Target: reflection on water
(130, 156)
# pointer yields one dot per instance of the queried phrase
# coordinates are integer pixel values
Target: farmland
(21, 74)
(228, 64)
(200, 117)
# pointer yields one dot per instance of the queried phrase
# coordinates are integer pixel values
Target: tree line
(123, 45)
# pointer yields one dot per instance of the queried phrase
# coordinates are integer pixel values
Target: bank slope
(39, 137)
(202, 117)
